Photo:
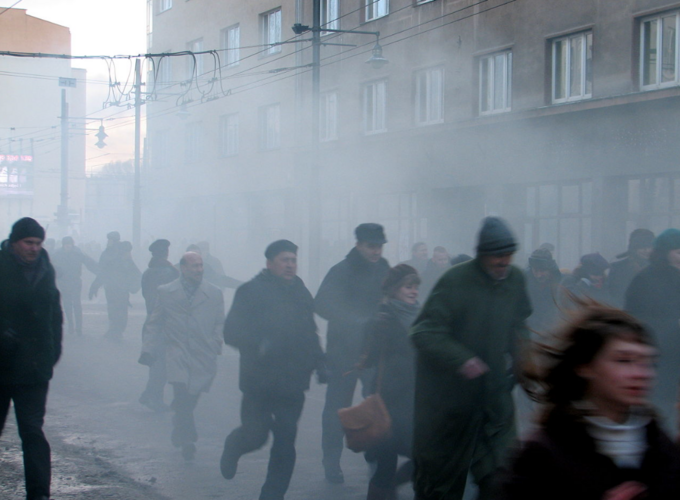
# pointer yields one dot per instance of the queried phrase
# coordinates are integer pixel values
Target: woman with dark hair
(389, 348)
(654, 298)
(598, 438)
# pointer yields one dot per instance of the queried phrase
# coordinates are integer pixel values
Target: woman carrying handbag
(388, 346)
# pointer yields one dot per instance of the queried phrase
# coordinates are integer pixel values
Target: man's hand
(473, 368)
(630, 490)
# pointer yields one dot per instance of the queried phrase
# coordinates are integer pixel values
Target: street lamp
(376, 61)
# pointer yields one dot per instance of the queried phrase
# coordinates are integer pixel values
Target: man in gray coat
(187, 317)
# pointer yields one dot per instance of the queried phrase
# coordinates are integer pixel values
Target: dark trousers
(117, 303)
(155, 386)
(183, 426)
(73, 309)
(339, 394)
(29, 408)
(260, 414)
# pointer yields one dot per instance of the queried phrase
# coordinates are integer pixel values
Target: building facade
(559, 116)
(30, 128)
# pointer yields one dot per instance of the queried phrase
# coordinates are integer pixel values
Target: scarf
(405, 313)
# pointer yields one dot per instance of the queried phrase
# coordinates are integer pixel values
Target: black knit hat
(396, 276)
(495, 237)
(26, 228)
(280, 246)
(370, 232)
(541, 258)
(640, 238)
(159, 247)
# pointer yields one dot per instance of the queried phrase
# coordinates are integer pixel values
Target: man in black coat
(271, 323)
(160, 272)
(68, 263)
(634, 260)
(348, 298)
(543, 279)
(30, 345)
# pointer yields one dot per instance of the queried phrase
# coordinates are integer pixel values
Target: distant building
(30, 132)
(560, 116)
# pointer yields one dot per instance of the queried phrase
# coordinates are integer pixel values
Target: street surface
(106, 445)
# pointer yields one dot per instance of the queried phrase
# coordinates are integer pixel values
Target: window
(193, 146)
(271, 31)
(430, 96)
(270, 127)
(418, 2)
(164, 5)
(374, 107)
(495, 83)
(329, 15)
(659, 51)
(328, 117)
(231, 43)
(229, 128)
(164, 71)
(572, 76)
(195, 64)
(376, 9)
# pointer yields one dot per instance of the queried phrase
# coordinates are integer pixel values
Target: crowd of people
(444, 340)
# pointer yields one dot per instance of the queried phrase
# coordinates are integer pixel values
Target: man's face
(497, 266)
(420, 253)
(28, 249)
(644, 253)
(284, 265)
(541, 275)
(441, 259)
(370, 251)
(597, 280)
(192, 268)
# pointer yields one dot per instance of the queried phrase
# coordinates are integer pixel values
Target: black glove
(146, 359)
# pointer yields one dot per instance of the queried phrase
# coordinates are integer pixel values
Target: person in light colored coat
(188, 318)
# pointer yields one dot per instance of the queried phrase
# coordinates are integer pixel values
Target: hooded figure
(634, 260)
(654, 298)
(468, 337)
(589, 279)
(543, 279)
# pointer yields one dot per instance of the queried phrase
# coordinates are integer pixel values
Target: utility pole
(62, 211)
(136, 203)
(315, 174)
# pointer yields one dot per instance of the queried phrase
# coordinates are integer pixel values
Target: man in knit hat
(30, 345)
(543, 279)
(468, 337)
(631, 262)
(654, 298)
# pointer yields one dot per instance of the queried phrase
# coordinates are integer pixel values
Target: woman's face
(620, 376)
(407, 293)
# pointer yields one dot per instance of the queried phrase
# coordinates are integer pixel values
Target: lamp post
(376, 61)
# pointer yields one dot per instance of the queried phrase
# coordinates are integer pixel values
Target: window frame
(164, 5)
(330, 15)
(378, 108)
(196, 45)
(584, 35)
(232, 53)
(374, 6)
(265, 31)
(265, 135)
(427, 119)
(659, 43)
(225, 127)
(507, 83)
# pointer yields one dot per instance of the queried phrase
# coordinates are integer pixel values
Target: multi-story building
(30, 126)
(560, 116)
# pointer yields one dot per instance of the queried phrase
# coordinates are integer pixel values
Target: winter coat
(387, 337)
(348, 298)
(30, 321)
(544, 298)
(271, 322)
(560, 462)
(191, 331)
(68, 266)
(159, 273)
(468, 314)
(654, 298)
(117, 272)
(621, 274)
(430, 277)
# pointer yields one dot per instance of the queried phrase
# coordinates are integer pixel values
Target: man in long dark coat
(271, 323)
(468, 337)
(348, 298)
(30, 345)
(160, 272)
(634, 260)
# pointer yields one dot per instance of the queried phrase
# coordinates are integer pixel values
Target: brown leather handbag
(368, 423)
